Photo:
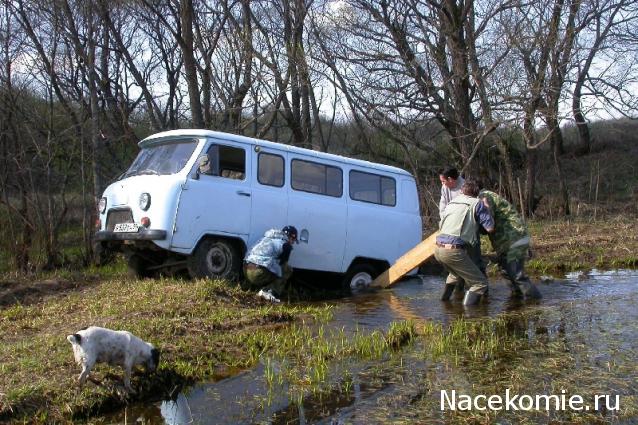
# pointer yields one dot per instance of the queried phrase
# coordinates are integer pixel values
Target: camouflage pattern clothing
(510, 237)
(261, 278)
(511, 241)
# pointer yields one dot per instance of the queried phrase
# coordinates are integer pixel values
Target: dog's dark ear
(156, 356)
(75, 338)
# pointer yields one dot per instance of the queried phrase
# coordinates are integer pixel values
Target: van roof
(273, 145)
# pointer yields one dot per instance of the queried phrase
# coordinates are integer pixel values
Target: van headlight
(101, 206)
(145, 201)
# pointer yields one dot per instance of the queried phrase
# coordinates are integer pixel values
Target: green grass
(304, 356)
(201, 327)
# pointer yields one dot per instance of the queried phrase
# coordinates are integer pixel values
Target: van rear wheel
(359, 277)
(215, 258)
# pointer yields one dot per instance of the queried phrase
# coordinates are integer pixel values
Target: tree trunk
(530, 181)
(293, 110)
(556, 143)
(584, 136)
(452, 18)
(206, 94)
(24, 245)
(510, 183)
(190, 64)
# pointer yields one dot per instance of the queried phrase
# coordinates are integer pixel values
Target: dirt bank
(561, 246)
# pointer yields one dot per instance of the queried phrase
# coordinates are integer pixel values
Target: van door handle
(242, 193)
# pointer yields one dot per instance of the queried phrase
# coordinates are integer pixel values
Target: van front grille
(118, 216)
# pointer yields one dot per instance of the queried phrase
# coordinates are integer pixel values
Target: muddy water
(591, 321)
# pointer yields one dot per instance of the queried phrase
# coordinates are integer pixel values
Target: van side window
(226, 161)
(317, 178)
(270, 170)
(373, 188)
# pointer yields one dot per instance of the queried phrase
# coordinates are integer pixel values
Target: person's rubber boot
(459, 290)
(447, 292)
(471, 298)
(516, 290)
(517, 276)
(513, 271)
(530, 290)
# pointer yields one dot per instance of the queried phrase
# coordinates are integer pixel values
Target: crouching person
(458, 236)
(511, 241)
(266, 264)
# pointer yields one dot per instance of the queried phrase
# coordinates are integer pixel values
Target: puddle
(582, 337)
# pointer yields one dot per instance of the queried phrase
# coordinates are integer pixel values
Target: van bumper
(142, 235)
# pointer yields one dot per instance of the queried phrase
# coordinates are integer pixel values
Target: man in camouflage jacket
(510, 240)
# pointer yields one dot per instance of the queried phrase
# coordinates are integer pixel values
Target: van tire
(215, 259)
(359, 277)
(102, 255)
(138, 267)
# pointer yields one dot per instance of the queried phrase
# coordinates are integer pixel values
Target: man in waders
(511, 241)
(458, 235)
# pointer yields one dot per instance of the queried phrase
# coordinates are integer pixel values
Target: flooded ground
(580, 339)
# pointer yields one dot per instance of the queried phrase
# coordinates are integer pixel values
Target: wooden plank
(410, 260)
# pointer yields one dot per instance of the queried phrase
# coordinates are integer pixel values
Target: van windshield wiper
(147, 171)
(120, 177)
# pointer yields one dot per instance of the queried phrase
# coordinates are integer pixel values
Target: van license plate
(126, 227)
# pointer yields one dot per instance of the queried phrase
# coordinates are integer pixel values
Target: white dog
(100, 345)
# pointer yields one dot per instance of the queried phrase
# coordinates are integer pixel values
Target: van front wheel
(138, 267)
(360, 276)
(215, 258)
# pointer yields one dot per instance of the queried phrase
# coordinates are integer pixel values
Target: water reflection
(176, 412)
(418, 299)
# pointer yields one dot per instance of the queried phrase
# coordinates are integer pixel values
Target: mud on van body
(198, 199)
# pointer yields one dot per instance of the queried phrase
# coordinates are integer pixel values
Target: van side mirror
(203, 166)
(304, 236)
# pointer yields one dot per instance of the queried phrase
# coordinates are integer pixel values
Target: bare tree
(231, 71)
(419, 60)
(282, 47)
(14, 194)
(542, 35)
(607, 40)
(125, 51)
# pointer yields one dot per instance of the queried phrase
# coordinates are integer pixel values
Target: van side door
(317, 207)
(216, 197)
(269, 193)
(374, 218)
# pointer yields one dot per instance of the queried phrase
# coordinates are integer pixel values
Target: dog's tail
(74, 339)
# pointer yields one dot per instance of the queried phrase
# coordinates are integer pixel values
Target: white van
(170, 210)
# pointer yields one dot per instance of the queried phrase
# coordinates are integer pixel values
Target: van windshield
(162, 159)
